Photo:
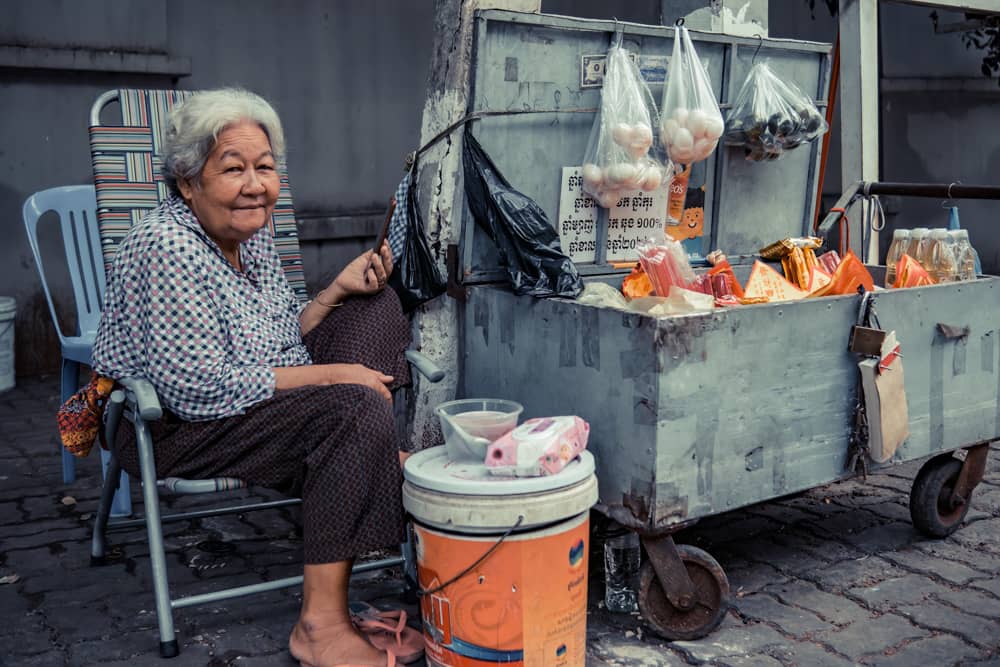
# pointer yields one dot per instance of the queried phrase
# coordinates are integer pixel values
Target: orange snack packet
(637, 284)
(849, 276)
(726, 269)
(909, 273)
(768, 283)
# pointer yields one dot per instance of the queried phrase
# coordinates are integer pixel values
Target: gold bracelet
(325, 305)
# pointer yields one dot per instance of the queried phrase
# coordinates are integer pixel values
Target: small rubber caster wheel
(934, 509)
(711, 597)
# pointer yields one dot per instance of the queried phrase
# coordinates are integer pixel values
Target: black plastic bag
(528, 245)
(415, 275)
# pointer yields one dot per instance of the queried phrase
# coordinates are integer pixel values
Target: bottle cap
(901, 234)
(919, 232)
(939, 234)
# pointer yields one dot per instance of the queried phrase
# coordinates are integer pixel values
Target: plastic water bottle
(900, 241)
(965, 254)
(940, 255)
(621, 572)
(917, 237)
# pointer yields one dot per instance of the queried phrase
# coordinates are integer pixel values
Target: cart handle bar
(931, 190)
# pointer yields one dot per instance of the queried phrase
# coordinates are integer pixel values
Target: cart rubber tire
(711, 597)
(930, 506)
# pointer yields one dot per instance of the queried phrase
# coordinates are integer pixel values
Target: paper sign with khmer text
(637, 216)
(577, 218)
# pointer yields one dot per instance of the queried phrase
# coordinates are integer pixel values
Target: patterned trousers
(335, 446)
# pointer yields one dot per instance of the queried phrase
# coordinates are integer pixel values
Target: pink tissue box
(540, 446)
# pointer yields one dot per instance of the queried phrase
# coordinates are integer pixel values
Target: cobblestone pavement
(834, 576)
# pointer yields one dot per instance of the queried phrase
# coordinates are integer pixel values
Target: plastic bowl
(465, 421)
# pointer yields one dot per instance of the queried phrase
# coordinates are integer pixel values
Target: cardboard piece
(882, 382)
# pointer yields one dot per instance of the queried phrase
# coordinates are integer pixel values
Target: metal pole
(933, 190)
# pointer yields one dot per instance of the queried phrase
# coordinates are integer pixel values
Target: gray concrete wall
(348, 78)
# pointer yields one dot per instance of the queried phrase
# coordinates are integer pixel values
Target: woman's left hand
(366, 274)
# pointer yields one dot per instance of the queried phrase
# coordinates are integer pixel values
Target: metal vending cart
(700, 414)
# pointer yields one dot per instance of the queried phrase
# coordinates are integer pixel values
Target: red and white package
(666, 263)
(540, 446)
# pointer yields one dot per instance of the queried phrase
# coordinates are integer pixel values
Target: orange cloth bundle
(849, 276)
(637, 284)
(80, 417)
(909, 273)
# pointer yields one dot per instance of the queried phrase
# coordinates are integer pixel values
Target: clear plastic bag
(771, 116)
(666, 263)
(691, 122)
(619, 158)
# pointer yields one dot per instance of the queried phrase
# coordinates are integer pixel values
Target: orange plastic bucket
(492, 593)
(510, 609)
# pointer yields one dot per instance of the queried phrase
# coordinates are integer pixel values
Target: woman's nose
(253, 184)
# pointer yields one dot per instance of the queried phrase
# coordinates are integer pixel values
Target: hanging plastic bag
(771, 116)
(415, 275)
(527, 243)
(618, 158)
(691, 122)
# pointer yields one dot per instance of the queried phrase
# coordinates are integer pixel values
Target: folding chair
(75, 206)
(128, 183)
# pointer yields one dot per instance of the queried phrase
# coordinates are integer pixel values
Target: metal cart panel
(696, 415)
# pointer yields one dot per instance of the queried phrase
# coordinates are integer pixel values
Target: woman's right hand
(358, 374)
(327, 374)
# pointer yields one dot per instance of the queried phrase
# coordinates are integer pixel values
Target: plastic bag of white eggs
(771, 116)
(691, 123)
(619, 158)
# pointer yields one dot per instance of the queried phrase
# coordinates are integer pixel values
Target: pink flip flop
(388, 631)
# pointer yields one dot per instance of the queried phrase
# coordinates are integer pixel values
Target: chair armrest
(146, 400)
(425, 366)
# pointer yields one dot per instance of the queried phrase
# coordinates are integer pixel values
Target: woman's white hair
(194, 126)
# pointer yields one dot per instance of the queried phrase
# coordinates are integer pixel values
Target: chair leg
(70, 382)
(164, 612)
(121, 505)
(98, 542)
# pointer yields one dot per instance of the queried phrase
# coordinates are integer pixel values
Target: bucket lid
(7, 304)
(432, 470)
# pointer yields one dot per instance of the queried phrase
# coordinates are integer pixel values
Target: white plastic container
(8, 308)
(469, 425)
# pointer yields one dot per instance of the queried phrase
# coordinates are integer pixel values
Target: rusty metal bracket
(953, 331)
(670, 571)
(455, 289)
(972, 473)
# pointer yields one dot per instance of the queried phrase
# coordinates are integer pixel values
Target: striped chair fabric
(127, 177)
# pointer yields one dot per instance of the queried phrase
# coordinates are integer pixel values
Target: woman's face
(235, 194)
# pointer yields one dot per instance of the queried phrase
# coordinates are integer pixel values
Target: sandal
(388, 631)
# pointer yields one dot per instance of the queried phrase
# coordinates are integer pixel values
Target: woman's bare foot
(317, 644)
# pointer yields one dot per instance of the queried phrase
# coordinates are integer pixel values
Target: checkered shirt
(179, 314)
(398, 224)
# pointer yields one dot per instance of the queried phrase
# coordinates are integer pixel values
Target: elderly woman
(256, 385)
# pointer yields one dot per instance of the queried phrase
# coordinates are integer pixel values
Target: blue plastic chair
(76, 207)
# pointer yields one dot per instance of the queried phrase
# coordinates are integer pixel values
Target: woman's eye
(233, 170)
(266, 167)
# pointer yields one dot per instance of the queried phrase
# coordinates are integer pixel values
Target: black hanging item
(415, 275)
(527, 244)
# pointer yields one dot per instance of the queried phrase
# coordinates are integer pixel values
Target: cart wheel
(932, 509)
(711, 597)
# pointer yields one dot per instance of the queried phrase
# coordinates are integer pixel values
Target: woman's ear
(184, 185)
